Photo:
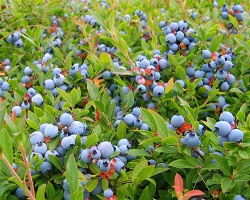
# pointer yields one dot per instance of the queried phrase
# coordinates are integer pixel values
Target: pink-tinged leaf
(178, 186)
(192, 193)
(178, 183)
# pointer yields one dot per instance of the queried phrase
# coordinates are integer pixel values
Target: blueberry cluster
(15, 38)
(225, 129)
(101, 155)
(236, 11)
(179, 36)
(67, 130)
(216, 66)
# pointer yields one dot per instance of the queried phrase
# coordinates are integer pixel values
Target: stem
(31, 185)
(13, 172)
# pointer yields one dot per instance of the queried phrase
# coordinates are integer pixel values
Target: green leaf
(226, 184)
(146, 172)
(122, 46)
(98, 18)
(216, 43)
(2, 112)
(6, 145)
(65, 96)
(50, 191)
(72, 174)
(121, 130)
(91, 184)
(181, 164)
(92, 90)
(56, 162)
(223, 163)
(234, 21)
(144, 194)
(245, 153)
(41, 192)
(122, 71)
(155, 122)
(243, 44)
(142, 164)
(138, 152)
(91, 140)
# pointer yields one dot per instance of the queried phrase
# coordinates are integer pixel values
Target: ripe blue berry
(37, 99)
(51, 131)
(67, 142)
(158, 91)
(192, 140)
(227, 116)
(66, 119)
(45, 167)
(86, 156)
(206, 54)
(177, 120)
(40, 148)
(235, 135)
(106, 149)
(222, 128)
(104, 165)
(36, 137)
(108, 193)
(49, 84)
(129, 119)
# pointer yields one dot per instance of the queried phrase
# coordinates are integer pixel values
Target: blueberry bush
(124, 99)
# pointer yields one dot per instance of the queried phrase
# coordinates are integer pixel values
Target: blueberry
(67, 142)
(235, 135)
(17, 110)
(51, 131)
(58, 79)
(124, 142)
(104, 165)
(31, 92)
(230, 79)
(206, 54)
(177, 120)
(158, 91)
(227, 116)
(223, 139)
(66, 119)
(221, 101)
(123, 149)
(5, 86)
(45, 167)
(86, 156)
(129, 119)
(18, 43)
(222, 128)
(36, 137)
(224, 86)
(96, 154)
(54, 153)
(221, 74)
(40, 148)
(144, 126)
(20, 193)
(108, 193)
(144, 63)
(170, 38)
(76, 127)
(192, 140)
(136, 111)
(106, 149)
(141, 88)
(239, 197)
(37, 99)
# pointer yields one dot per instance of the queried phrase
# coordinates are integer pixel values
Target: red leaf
(13, 116)
(192, 193)
(98, 116)
(178, 185)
